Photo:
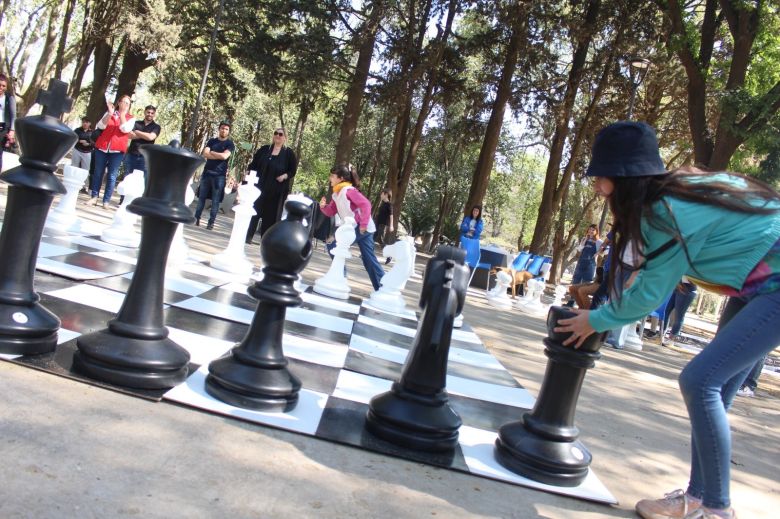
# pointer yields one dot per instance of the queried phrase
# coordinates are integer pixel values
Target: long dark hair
(347, 173)
(633, 198)
(471, 213)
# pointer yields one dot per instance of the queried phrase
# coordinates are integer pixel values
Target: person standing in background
(276, 165)
(7, 116)
(144, 132)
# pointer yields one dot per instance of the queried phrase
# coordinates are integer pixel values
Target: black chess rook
(26, 327)
(254, 374)
(416, 413)
(543, 445)
(135, 351)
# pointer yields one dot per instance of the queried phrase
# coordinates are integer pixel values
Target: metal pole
(194, 122)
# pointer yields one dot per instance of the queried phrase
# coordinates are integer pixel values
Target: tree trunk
(102, 66)
(39, 74)
(357, 85)
(134, 62)
(551, 195)
(487, 153)
(59, 61)
(402, 182)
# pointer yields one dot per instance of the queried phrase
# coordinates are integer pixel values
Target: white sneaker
(745, 391)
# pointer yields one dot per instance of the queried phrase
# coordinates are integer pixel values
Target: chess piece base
(131, 362)
(27, 329)
(331, 289)
(248, 386)
(559, 463)
(121, 238)
(232, 263)
(413, 421)
(389, 302)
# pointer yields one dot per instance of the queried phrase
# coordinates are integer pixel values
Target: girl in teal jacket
(722, 231)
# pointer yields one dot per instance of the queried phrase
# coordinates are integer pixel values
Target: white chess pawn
(633, 341)
(334, 283)
(497, 296)
(64, 217)
(535, 305)
(389, 297)
(233, 259)
(122, 230)
(180, 252)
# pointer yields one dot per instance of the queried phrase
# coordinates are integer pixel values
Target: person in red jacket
(110, 147)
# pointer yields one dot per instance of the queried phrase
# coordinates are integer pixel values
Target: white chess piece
(334, 283)
(64, 217)
(389, 297)
(233, 259)
(633, 341)
(534, 306)
(180, 251)
(122, 229)
(497, 296)
(412, 262)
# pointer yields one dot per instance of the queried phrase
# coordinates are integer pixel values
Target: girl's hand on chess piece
(109, 106)
(579, 326)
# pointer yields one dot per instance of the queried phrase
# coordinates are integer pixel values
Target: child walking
(349, 202)
(722, 230)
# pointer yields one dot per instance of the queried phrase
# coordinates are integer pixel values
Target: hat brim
(648, 168)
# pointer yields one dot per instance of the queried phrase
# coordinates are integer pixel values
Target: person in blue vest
(471, 226)
(722, 231)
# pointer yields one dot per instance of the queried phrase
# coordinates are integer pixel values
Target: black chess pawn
(543, 446)
(254, 374)
(26, 327)
(135, 350)
(416, 413)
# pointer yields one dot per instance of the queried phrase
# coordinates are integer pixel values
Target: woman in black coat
(276, 165)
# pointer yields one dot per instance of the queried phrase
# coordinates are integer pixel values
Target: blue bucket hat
(626, 149)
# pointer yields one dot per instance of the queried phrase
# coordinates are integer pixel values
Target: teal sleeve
(657, 278)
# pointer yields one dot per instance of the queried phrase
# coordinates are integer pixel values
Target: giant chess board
(344, 352)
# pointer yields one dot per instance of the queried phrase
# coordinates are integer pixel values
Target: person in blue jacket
(722, 231)
(471, 227)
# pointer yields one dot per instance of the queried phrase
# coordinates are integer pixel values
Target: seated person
(471, 227)
(582, 292)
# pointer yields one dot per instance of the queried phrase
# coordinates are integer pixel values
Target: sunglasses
(280, 134)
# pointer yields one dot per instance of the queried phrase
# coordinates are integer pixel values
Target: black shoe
(197, 222)
(209, 226)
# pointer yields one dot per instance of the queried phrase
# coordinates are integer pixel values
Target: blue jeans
(135, 162)
(752, 379)
(365, 243)
(210, 186)
(103, 159)
(680, 302)
(584, 272)
(747, 331)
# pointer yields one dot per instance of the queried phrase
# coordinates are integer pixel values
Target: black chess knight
(416, 413)
(135, 350)
(543, 446)
(254, 374)
(26, 327)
